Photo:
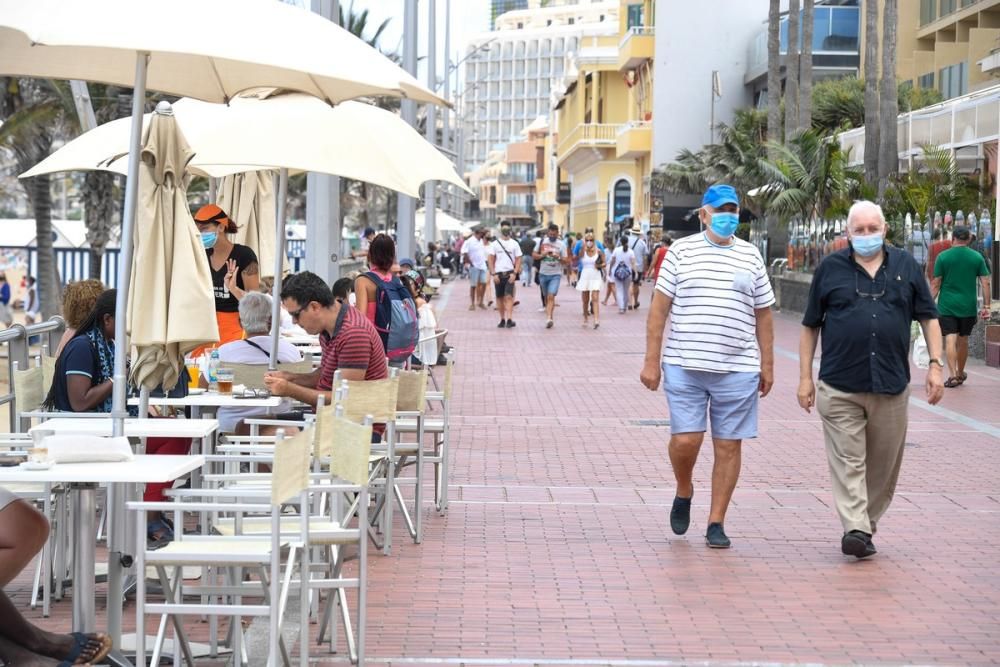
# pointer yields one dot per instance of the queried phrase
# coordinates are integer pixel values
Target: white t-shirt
(638, 246)
(476, 251)
(504, 260)
(622, 256)
(715, 291)
(241, 352)
(553, 252)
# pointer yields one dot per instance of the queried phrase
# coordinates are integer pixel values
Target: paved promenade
(556, 549)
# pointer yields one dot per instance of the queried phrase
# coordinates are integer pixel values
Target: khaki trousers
(865, 435)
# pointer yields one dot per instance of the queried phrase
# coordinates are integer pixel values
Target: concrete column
(323, 218)
(430, 131)
(406, 207)
(581, 96)
(595, 97)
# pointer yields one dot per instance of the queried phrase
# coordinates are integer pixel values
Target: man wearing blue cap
(719, 354)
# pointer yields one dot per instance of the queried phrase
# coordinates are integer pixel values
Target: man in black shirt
(863, 299)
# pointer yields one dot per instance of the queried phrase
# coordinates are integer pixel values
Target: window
(548, 23)
(926, 80)
(954, 81)
(946, 7)
(634, 15)
(532, 67)
(928, 11)
(571, 21)
(622, 202)
(520, 26)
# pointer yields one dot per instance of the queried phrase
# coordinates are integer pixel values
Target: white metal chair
(236, 553)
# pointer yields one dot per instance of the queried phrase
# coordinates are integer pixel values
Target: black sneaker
(511, 324)
(857, 543)
(502, 324)
(680, 515)
(716, 538)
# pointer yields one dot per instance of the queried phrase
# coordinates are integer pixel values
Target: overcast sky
(469, 17)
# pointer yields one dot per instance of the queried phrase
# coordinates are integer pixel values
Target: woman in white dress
(591, 279)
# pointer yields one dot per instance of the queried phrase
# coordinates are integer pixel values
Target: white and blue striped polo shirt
(715, 291)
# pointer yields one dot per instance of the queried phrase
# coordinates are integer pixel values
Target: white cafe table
(83, 480)
(210, 402)
(301, 340)
(199, 429)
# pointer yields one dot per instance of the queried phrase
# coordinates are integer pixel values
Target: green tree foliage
(808, 178)
(839, 104)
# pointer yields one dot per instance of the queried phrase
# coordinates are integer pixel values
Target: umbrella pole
(116, 505)
(279, 264)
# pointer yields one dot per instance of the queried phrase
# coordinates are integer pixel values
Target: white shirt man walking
(474, 257)
(863, 300)
(637, 244)
(504, 261)
(719, 355)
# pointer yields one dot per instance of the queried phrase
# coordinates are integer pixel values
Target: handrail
(17, 338)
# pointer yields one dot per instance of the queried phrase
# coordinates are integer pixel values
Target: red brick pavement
(556, 548)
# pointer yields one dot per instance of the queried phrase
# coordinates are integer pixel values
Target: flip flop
(952, 382)
(963, 377)
(98, 642)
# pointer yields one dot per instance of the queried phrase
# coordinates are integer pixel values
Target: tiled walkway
(556, 548)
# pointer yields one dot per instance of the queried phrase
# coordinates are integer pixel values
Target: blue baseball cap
(406, 261)
(718, 195)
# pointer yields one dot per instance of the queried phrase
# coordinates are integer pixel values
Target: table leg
(83, 558)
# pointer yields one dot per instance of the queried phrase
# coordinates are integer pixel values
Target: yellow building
(604, 123)
(950, 45)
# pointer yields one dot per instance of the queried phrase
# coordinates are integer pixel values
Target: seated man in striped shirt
(719, 354)
(349, 340)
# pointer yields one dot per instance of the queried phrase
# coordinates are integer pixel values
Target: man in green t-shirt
(954, 286)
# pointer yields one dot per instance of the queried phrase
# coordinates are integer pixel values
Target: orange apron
(230, 329)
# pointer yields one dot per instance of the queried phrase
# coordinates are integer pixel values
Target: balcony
(583, 140)
(637, 46)
(516, 179)
(634, 140)
(515, 211)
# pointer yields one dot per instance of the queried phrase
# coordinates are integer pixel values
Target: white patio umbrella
(163, 46)
(171, 306)
(292, 131)
(288, 131)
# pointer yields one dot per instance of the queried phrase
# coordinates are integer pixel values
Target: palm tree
(356, 23)
(774, 71)
(871, 91)
(809, 179)
(792, 71)
(734, 160)
(888, 158)
(32, 111)
(806, 67)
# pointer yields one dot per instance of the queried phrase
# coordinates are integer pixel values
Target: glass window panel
(844, 31)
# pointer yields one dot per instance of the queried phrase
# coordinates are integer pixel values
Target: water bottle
(213, 365)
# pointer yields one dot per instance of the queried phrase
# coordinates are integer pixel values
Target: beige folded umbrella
(171, 307)
(291, 131)
(248, 199)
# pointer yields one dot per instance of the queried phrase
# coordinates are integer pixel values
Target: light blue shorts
(477, 276)
(549, 284)
(729, 399)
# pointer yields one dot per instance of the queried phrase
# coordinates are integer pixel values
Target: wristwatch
(935, 361)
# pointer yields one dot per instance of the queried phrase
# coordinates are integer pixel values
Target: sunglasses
(296, 314)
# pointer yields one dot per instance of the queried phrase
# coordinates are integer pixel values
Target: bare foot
(59, 646)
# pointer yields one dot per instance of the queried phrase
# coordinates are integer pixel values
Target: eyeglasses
(869, 295)
(250, 392)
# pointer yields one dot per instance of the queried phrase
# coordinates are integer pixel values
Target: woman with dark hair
(381, 257)
(622, 270)
(82, 382)
(234, 267)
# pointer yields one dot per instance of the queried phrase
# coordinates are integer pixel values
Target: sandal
(95, 645)
(963, 377)
(952, 382)
(159, 531)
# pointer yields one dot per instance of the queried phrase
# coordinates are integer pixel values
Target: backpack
(622, 271)
(395, 317)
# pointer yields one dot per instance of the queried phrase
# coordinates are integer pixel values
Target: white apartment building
(509, 71)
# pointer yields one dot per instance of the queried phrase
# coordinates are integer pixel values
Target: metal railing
(637, 31)
(17, 338)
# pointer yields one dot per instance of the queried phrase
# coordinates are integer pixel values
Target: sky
(469, 17)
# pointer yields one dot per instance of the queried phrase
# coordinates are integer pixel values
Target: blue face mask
(867, 246)
(208, 239)
(725, 224)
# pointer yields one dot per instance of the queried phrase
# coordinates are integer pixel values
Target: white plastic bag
(921, 357)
